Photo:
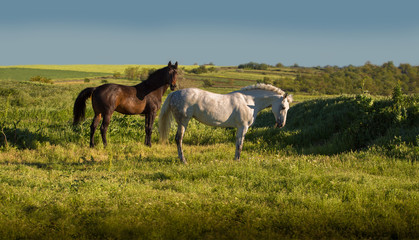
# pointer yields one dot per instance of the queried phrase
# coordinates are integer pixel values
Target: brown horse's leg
(149, 121)
(104, 127)
(93, 127)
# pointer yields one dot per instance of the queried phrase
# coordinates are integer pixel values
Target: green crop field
(344, 167)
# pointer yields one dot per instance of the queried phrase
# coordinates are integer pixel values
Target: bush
(279, 65)
(253, 65)
(135, 73)
(212, 69)
(86, 80)
(347, 123)
(200, 70)
(353, 123)
(41, 79)
(116, 75)
(132, 73)
(266, 80)
(208, 83)
(145, 73)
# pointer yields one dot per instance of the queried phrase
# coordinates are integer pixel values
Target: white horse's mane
(263, 86)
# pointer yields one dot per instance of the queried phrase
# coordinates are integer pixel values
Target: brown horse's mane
(154, 81)
(155, 73)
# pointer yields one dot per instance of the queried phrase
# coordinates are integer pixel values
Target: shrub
(267, 80)
(135, 73)
(86, 80)
(132, 73)
(253, 65)
(199, 70)
(208, 83)
(145, 73)
(116, 75)
(279, 65)
(330, 126)
(40, 79)
(212, 69)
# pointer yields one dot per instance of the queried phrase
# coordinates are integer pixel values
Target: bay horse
(144, 98)
(237, 109)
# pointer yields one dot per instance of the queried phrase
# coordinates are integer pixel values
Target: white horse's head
(280, 109)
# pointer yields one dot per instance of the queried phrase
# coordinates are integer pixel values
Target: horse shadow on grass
(22, 138)
(62, 165)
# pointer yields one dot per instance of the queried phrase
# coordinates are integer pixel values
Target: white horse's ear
(290, 98)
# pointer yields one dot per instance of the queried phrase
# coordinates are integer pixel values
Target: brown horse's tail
(80, 105)
(165, 119)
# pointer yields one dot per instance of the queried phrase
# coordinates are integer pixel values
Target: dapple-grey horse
(237, 109)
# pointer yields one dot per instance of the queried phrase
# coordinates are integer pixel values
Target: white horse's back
(222, 110)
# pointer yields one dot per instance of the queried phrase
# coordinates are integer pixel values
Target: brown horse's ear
(176, 65)
(169, 64)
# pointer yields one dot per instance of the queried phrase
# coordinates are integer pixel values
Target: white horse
(236, 109)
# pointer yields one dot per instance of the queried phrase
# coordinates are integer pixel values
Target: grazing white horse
(236, 109)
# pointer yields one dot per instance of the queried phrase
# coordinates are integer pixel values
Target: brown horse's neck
(161, 90)
(156, 82)
(144, 88)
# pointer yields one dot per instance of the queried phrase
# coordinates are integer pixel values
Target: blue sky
(309, 33)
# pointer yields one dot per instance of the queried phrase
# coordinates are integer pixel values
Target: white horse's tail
(165, 119)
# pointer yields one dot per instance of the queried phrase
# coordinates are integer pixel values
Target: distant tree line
(369, 78)
(253, 65)
(202, 69)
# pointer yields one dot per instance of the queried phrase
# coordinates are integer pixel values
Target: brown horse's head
(172, 75)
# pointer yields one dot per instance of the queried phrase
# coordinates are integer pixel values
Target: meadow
(344, 167)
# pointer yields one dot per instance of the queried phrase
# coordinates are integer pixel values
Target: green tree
(132, 73)
(279, 65)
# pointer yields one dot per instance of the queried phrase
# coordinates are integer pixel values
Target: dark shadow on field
(49, 166)
(54, 165)
(23, 138)
(157, 176)
(162, 160)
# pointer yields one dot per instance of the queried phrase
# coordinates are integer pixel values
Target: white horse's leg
(179, 138)
(241, 131)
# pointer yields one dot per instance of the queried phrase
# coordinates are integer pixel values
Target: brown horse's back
(114, 97)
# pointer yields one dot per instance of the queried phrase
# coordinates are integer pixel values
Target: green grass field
(344, 167)
(24, 74)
